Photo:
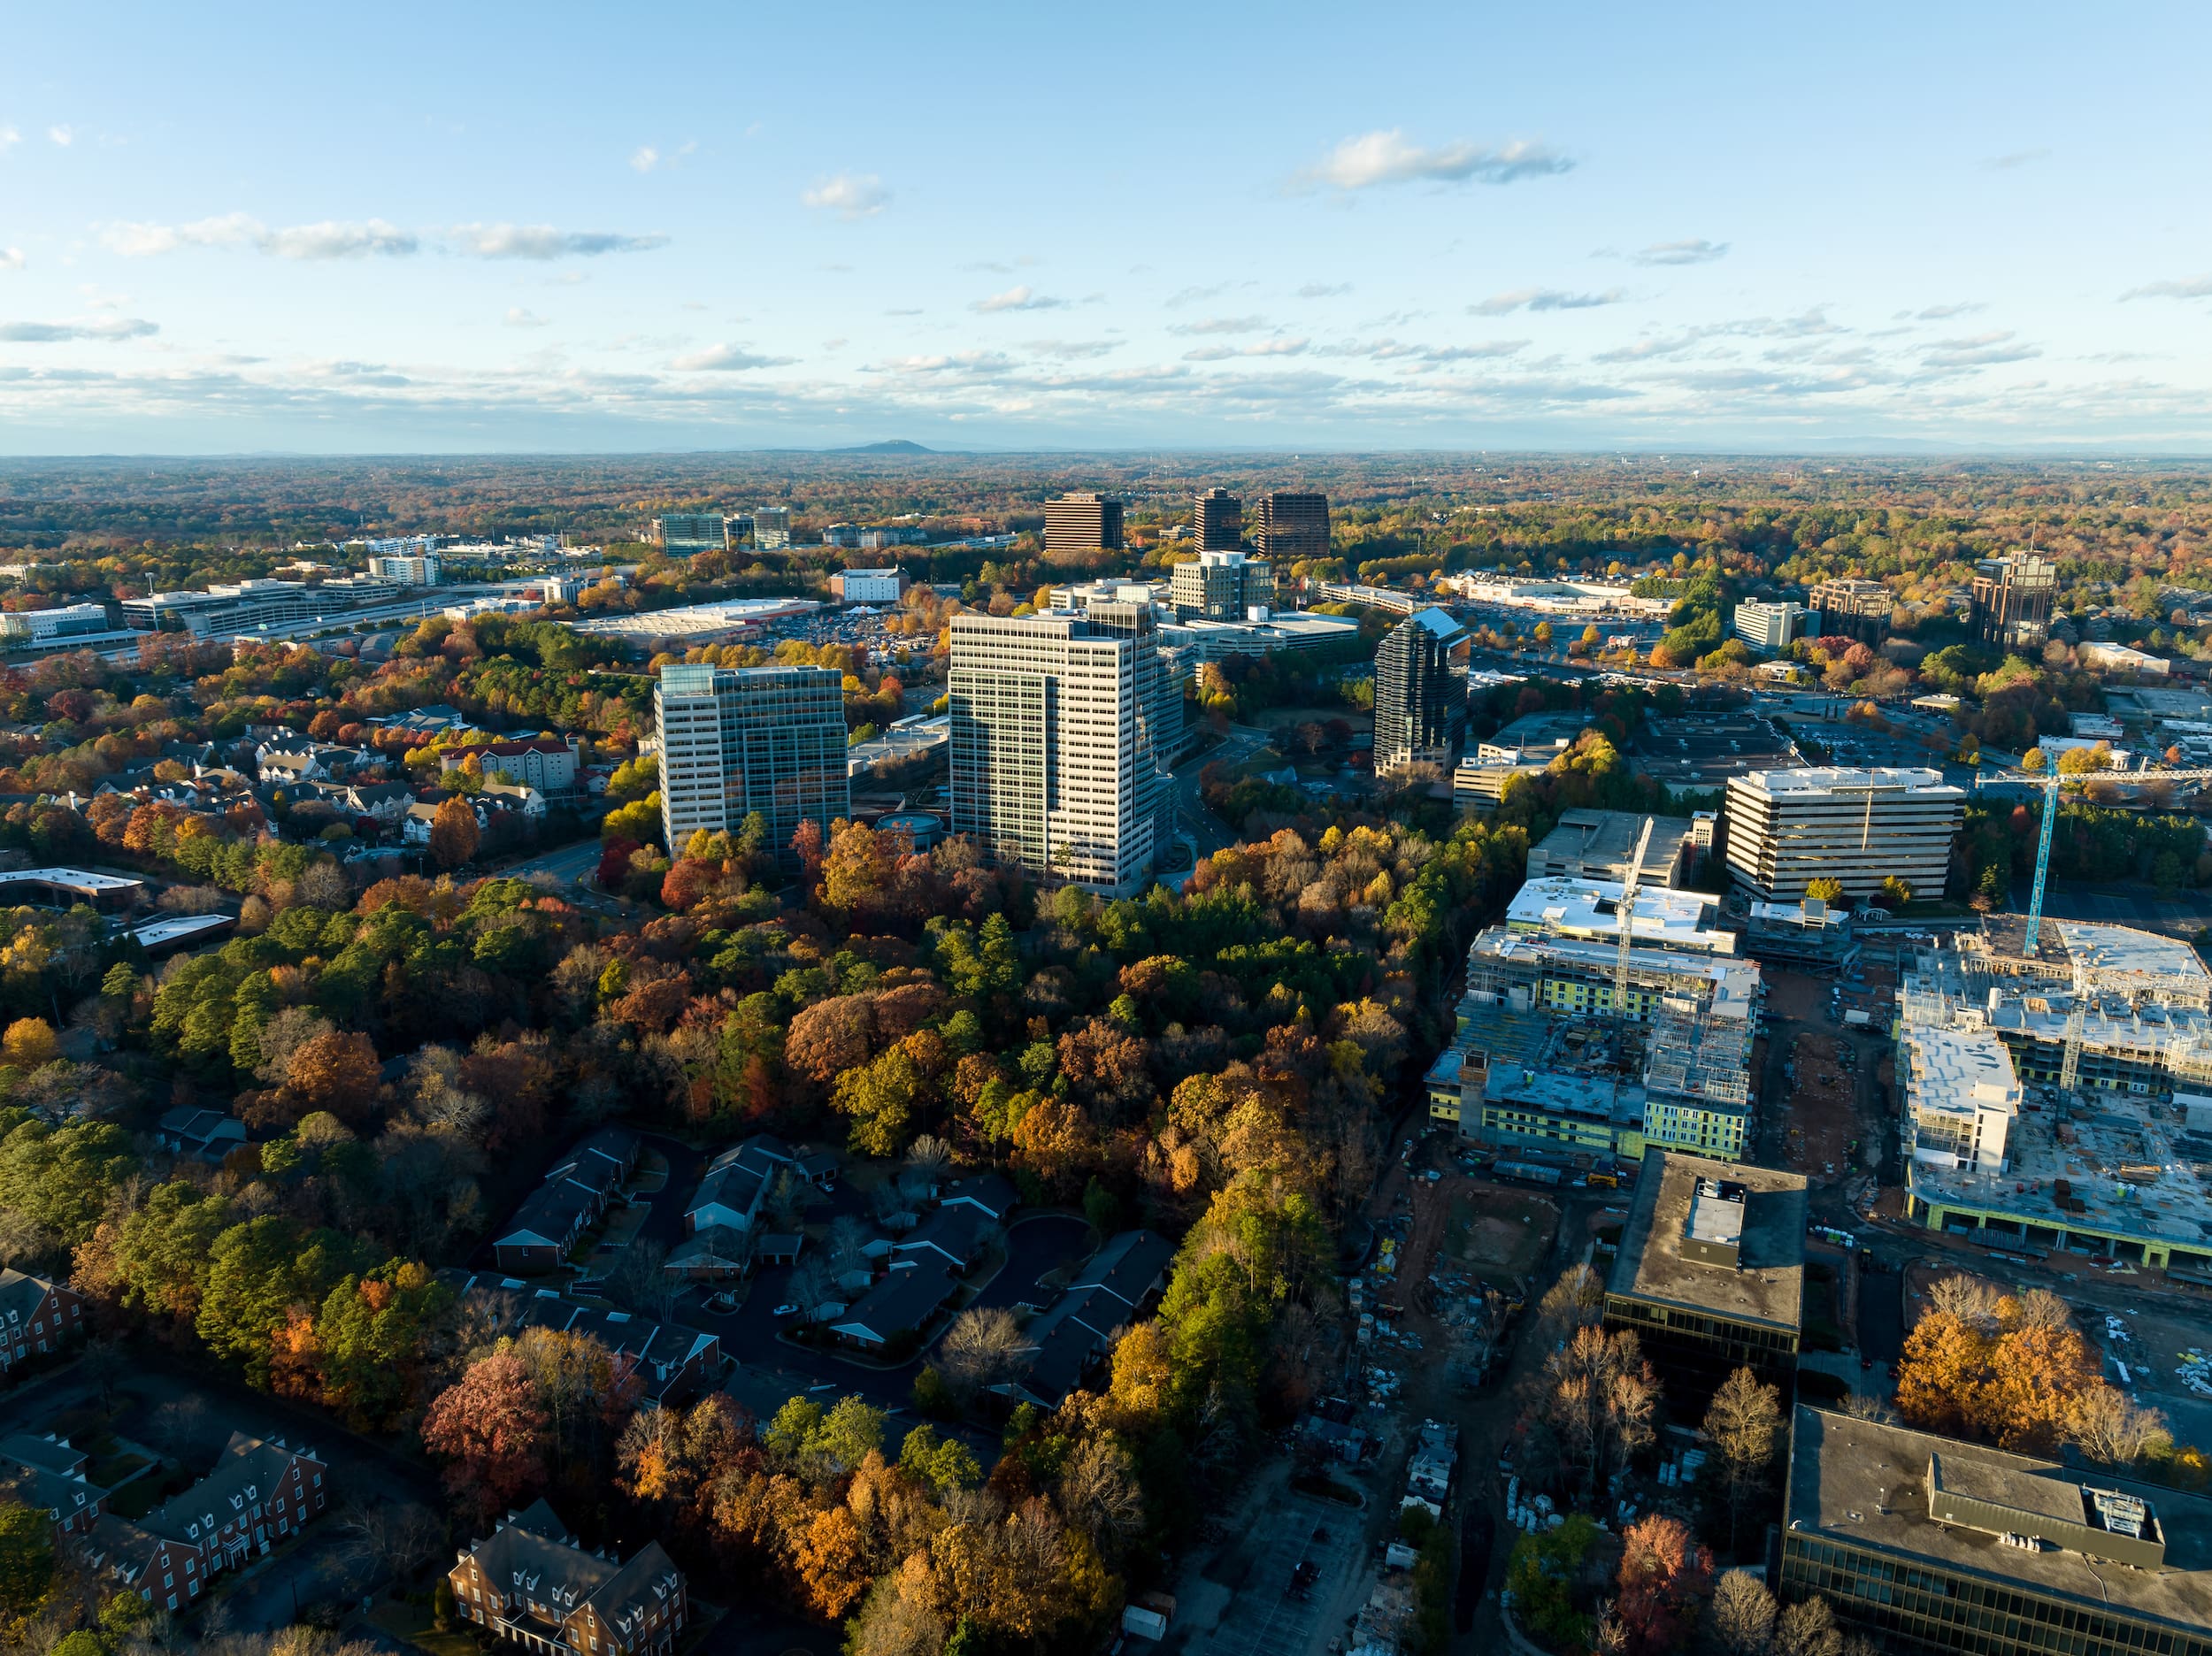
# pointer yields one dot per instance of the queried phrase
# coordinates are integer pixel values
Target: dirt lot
(1495, 1233)
(1823, 1119)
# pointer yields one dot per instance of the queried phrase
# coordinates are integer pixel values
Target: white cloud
(727, 359)
(1940, 312)
(58, 332)
(1386, 157)
(1222, 325)
(2014, 160)
(2185, 288)
(1261, 347)
(329, 239)
(1324, 290)
(1694, 252)
(1022, 298)
(1068, 351)
(9, 138)
(849, 195)
(11, 258)
(543, 241)
(1544, 299)
(518, 316)
(1980, 350)
(646, 158)
(61, 135)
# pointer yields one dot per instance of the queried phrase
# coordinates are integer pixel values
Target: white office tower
(739, 740)
(1788, 828)
(1057, 743)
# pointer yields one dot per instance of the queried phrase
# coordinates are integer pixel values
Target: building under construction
(2062, 1099)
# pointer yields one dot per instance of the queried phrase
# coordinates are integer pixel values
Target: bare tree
(978, 1350)
(642, 1282)
(1098, 1492)
(1743, 1614)
(1866, 1407)
(2105, 1424)
(1807, 1629)
(848, 1245)
(1576, 1300)
(1745, 1426)
(1598, 1395)
(401, 1538)
(1969, 1298)
(812, 1286)
(930, 1156)
(2040, 1308)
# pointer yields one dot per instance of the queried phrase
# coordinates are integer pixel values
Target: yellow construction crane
(1626, 916)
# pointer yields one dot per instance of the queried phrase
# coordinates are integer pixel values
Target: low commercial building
(1599, 843)
(869, 586)
(532, 1582)
(1810, 935)
(1534, 735)
(693, 627)
(1710, 1276)
(1788, 828)
(1265, 632)
(68, 622)
(2122, 659)
(1478, 784)
(1930, 1545)
(1576, 906)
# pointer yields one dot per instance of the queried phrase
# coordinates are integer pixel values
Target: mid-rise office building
(1421, 692)
(1854, 608)
(870, 586)
(1292, 524)
(772, 528)
(1218, 521)
(1769, 627)
(1789, 828)
(1083, 523)
(423, 570)
(1930, 1544)
(248, 605)
(2011, 599)
(1710, 1276)
(1056, 742)
(79, 620)
(739, 739)
(684, 534)
(1222, 586)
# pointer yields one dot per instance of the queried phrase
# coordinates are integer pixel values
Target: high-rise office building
(681, 534)
(1083, 523)
(772, 528)
(1218, 521)
(2012, 598)
(1421, 692)
(1851, 607)
(1292, 524)
(1221, 586)
(739, 739)
(1770, 627)
(1055, 748)
(1788, 828)
(409, 571)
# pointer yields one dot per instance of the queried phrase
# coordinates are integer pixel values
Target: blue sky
(481, 228)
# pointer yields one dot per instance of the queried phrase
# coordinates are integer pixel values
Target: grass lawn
(109, 1470)
(412, 1624)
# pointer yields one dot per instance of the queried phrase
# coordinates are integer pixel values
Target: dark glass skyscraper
(1421, 692)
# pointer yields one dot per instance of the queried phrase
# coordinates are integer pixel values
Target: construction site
(2083, 1055)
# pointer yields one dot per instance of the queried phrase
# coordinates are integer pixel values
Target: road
(567, 864)
(1241, 744)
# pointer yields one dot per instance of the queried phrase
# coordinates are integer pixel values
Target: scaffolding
(1687, 1054)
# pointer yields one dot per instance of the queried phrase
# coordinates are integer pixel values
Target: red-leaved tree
(1664, 1575)
(492, 1431)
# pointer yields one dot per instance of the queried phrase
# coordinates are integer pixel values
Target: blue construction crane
(2050, 782)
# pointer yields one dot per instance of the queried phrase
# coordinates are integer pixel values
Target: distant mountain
(896, 446)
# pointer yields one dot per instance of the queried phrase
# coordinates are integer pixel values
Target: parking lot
(1256, 1613)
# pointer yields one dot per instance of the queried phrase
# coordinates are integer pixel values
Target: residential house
(519, 796)
(1132, 1267)
(953, 1236)
(532, 1582)
(415, 821)
(577, 1190)
(36, 1316)
(670, 1362)
(1064, 1344)
(717, 1253)
(384, 803)
(737, 1183)
(900, 1305)
(47, 1472)
(207, 1134)
(991, 1195)
(428, 721)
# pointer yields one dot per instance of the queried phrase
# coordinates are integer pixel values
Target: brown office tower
(1853, 608)
(1083, 523)
(1217, 520)
(2012, 599)
(1293, 525)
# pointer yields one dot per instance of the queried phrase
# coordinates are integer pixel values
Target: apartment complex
(739, 739)
(2061, 1100)
(682, 534)
(532, 1582)
(1788, 828)
(416, 569)
(1770, 627)
(1057, 739)
(1083, 523)
(1221, 586)
(1421, 692)
(1710, 1276)
(2009, 605)
(1218, 521)
(1930, 1545)
(1292, 524)
(260, 1492)
(38, 1316)
(1850, 608)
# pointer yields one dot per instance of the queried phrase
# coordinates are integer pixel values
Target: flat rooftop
(1575, 904)
(76, 879)
(1814, 779)
(1865, 1484)
(2111, 948)
(1606, 838)
(1734, 982)
(1957, 1069)
(1768, 1286)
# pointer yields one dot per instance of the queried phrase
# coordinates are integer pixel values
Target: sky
(492, 228)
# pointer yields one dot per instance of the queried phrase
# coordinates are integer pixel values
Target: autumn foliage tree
(493, 1434)
(2003, 1368)
(1663, 1578)
(453, 832)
